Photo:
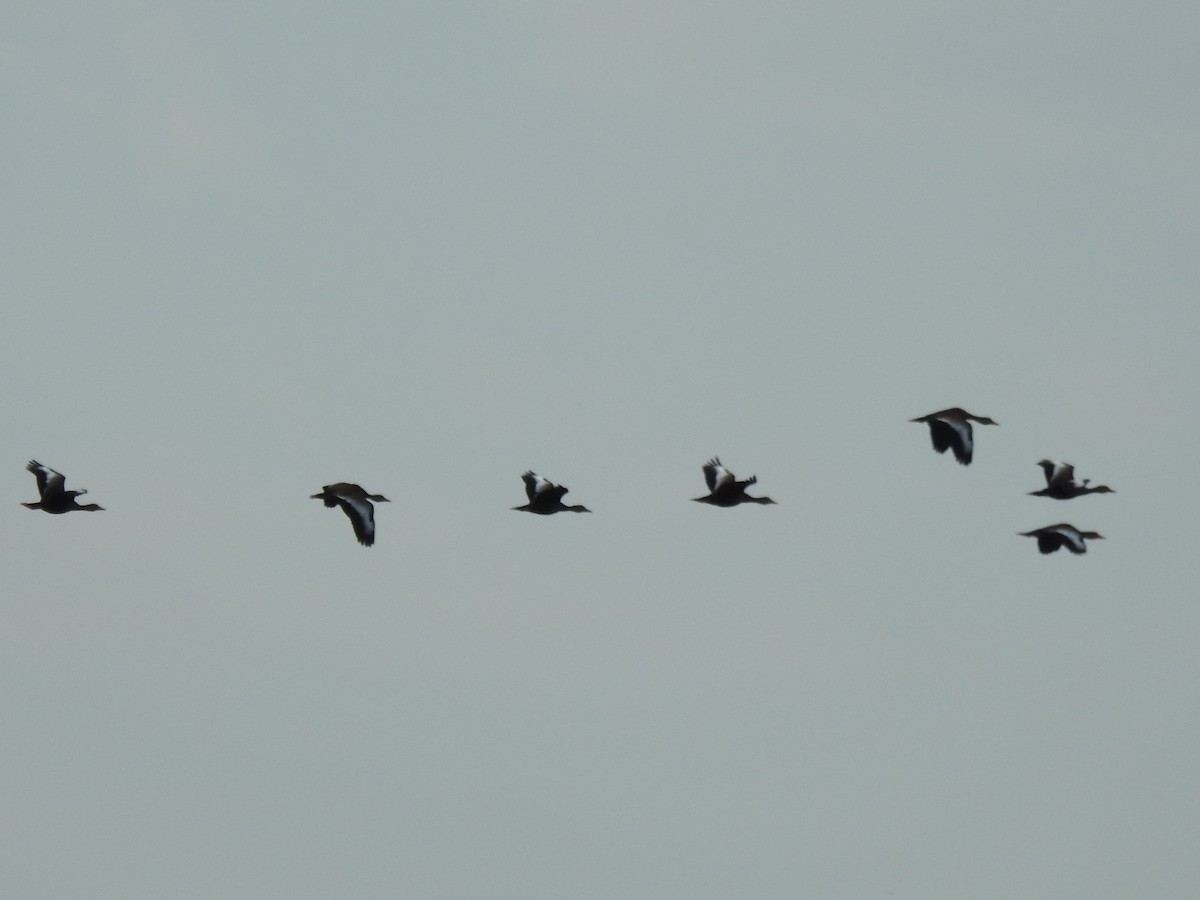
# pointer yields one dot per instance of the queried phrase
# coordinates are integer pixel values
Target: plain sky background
(251, 249)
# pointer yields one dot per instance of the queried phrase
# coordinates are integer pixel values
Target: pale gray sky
(252, 251)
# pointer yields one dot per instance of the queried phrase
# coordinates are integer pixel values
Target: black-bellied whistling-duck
(724, 489)
(951, 429)
(1052, 537)
(356, 504)
(1061, 483)
(545, 497)
(55, 498)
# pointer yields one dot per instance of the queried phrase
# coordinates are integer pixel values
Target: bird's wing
(960, 438)
(534, 485)
(1071, 538)
(1049, 541)
(48, 480)
(362, 516)
(753, 479)
(716, 475)
(1057, 473)
(940, 435)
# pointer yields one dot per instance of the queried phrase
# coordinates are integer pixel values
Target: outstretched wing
(49, 482)
(535, 485)
(362, 517)
(1071, 539)
(1057, 473)
(716, 475)
(1049, 541)
(955, 434)
(940, 435)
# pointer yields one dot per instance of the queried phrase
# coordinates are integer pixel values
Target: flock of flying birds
(949, 429)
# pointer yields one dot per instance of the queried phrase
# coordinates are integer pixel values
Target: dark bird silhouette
(1061, 483)
(1052, 537)
(545, 497)
(951, 429)
(356, 504)
(724, 489)
(55, 498)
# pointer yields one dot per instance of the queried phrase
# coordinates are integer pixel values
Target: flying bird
(545, 497)
(55, 498)
(951, 429)
(1061, 483)
(724, 489)
(1052, 537)
(356, 504)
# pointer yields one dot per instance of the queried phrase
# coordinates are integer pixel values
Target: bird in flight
(1052, 537)
(950, 429)
(356, 504)
(55, 498)
(545, 497)
(724, 489)
(1061, 483)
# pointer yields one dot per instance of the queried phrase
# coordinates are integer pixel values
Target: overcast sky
(252, 249)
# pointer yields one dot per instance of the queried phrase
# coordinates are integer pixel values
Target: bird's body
(724, 489)
(950, 429)
(1052, 537)
(545, 497)
(55, 498)
(356, 504)
(1061, 483)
